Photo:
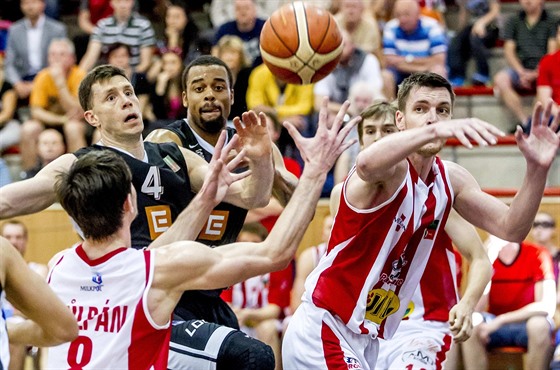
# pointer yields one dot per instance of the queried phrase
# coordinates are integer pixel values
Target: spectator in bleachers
(125, 26)
(89, 14)
(28, 43)
(92, 12)
(478, 31)
(354, 65)
(181, 32)
(411, 43)
(231, 50)
(361, 96)
(362, 27)
(50, 146)
(290, 102)
(247, 26)
(165, 96)
(54, 102)
(529, 35)
(222, 11)
(259, 302)
(517, 309)
(548, 79)
(10, 128)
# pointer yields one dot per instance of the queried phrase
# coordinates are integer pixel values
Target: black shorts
(200, 345)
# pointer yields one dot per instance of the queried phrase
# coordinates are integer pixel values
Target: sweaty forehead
(207, 73)
(433, 95)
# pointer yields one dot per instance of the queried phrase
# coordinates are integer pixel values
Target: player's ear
(399, 120)
(185, 99)
(231, 94)
(91, 118)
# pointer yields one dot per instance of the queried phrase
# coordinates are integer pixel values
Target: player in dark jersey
(203, 335)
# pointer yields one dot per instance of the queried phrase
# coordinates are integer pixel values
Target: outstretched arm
(470, 246)
(35, 194)
(380, 160)
(50, 321)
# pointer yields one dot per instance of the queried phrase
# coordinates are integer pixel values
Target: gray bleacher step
(498, 166)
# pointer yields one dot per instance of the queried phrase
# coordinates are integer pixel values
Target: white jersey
(376, 257)
(108, 296)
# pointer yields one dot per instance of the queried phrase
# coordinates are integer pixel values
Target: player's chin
(214, 125)
(431, 148)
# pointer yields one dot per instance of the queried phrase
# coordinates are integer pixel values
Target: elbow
(65, 333)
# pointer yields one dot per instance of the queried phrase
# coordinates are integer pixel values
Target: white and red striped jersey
(437, 292)
(376, 257)
(108, 296)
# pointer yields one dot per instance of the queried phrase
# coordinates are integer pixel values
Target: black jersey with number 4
(162, 186)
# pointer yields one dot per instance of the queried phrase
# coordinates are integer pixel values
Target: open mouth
(131, 117)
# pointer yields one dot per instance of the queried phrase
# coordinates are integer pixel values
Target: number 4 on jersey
(152, 183)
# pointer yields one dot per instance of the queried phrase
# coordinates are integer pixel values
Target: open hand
(253, 135)
(321, 151)
(542, 143)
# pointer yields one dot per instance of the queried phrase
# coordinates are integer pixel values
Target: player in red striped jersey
(393, 206)
(424, 337)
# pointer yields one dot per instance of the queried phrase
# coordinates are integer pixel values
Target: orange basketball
(300, 43)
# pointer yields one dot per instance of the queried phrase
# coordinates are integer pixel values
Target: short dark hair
(93, 192)
(378, 109)
(99, 73)
(421, 79)
(206, 60)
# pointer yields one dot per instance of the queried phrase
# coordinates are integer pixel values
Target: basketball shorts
(201, 345)
(417, 344)
(317, 340)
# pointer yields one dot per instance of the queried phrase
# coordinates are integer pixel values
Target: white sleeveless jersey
(375, 257)
(108, 296)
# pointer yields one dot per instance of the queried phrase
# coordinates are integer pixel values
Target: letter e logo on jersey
(159, 220)
(215, 226)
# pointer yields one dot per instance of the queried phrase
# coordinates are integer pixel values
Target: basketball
(300, 43)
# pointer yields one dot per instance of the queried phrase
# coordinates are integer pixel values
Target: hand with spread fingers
(322, 150)
(542, 143)
(253, 135)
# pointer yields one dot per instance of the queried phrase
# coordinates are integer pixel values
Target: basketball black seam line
(286, 46)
